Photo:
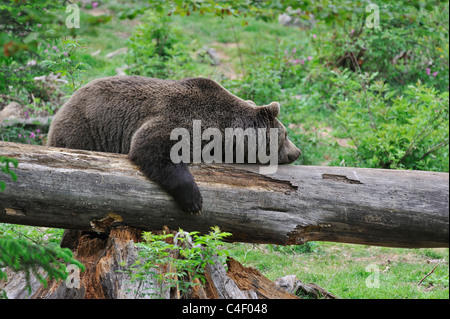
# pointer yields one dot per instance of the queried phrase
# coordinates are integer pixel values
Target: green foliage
(260, 84)
(20, 134)
(408, 131)
(222, 8)
(307, 248)
(66, 61)
(157, 253)
(270, 77)
(5, 168)
(19, 41)
(410, 42)
(38, 235)
(33, 32)
(157, 48)
(31, 258)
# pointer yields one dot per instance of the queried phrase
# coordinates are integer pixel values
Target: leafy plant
(175, 261)
(31, 258)
(408, 131)
(20, 134)
(157, 48)
(5, 168)
(407, 45)
(38, 235)
(307, 248)
(67, 61)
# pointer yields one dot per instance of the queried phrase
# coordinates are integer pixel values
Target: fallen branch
(427, 275)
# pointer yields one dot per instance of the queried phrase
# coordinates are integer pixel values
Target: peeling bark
(107, 257)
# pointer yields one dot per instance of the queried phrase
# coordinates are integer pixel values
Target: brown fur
(134, 115)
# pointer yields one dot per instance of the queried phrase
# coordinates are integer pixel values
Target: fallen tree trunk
(95, 191)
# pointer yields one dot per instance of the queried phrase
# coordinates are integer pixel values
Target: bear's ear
(272, 109)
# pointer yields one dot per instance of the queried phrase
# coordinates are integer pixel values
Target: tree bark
(95, 191)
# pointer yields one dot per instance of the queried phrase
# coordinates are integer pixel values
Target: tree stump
(107, 258)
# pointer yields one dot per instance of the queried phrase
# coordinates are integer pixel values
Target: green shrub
(392, 130)
(411, 42)
(194, 253)
(31, 258)
(157, 48)
(63, 57)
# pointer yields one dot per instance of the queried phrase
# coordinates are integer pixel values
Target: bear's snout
(288, 153)
(292, 156)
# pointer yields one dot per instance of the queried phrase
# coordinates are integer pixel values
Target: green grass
(347, 271)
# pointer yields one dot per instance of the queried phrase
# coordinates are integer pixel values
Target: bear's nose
(294, 155)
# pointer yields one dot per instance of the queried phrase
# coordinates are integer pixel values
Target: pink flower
(38, 131)
(428, 71)
(39, 25)
(20, 135)
(54, 47)
(66, 54)
(434, 74)
(314, 36)
(32, 135)
(297, 61)
(294, 50)
(302, 61)
(45, 51)
(309, 58)
(94, 4)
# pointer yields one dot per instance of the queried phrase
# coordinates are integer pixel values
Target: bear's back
(104, 114)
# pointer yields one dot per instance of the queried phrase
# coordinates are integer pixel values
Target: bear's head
(287, 151)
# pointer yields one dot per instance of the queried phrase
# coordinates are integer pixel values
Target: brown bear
(135, 115)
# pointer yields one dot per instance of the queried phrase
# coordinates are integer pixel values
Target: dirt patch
(225, 66)
(96, 12)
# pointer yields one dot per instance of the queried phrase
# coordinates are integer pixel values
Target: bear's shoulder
(201, 83)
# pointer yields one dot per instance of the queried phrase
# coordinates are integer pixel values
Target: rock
(12, 111)
(214, 56)
(290, 283)
(294, 286)
(292, 18)
(95, 53)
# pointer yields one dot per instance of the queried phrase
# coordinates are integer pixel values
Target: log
(95, 191)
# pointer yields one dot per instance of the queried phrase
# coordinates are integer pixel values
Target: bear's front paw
(188, 198)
